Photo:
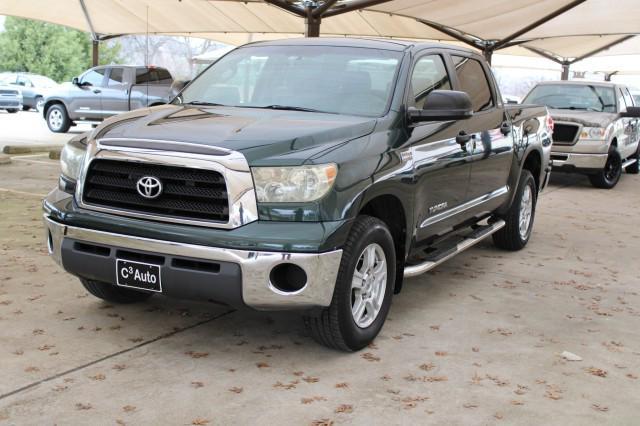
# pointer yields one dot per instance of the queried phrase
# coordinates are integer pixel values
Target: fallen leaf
(236, 389)
(262, 365)
(370, 357)
(98, 376)
(82, 406)
(342, 385)
(199, 422)
(599, 407)
(596, 371)
(128, 408)
(344, 408)
(197, 355)
(441, 353)
(197, 384)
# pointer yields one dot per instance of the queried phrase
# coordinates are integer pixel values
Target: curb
(54, 154)
(5, 159)
(29, 149)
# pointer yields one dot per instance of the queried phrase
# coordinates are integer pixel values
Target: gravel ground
(477, 341)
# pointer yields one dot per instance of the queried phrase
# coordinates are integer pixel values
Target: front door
(441, 163)
(86, 98)
(492, 150)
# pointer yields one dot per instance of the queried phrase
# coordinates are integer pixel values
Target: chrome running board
(474, 238)
(629, 162)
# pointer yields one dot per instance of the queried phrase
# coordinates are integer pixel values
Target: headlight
(592, 133)
(71, 160)
(293, 184)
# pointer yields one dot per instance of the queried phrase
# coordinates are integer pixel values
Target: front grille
(186, 194)
(9, 92)
(565, 134)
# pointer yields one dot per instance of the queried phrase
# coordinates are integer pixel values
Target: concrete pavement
(476, 341)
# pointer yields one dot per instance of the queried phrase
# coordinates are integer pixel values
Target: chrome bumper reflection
(321, 268)
(580, 161)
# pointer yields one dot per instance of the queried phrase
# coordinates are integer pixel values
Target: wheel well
(49, 105)
(533, 163)
(389, 210)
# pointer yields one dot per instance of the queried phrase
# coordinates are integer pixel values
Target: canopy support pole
(565, 71)
(488, 54)
(95, 40)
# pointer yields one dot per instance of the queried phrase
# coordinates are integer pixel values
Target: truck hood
(586, 118)
(261, 135)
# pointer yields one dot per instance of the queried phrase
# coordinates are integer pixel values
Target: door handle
(462, 139)
(505, 128)
(96, 91)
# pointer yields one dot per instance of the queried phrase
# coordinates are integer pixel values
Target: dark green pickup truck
(311, 174)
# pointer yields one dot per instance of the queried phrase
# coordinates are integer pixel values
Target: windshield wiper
(283, 107)
(202, 103)
(575, 108)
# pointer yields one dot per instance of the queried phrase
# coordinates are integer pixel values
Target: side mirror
(75, 81)
(632, 112)
(443, 105)
(177, 86)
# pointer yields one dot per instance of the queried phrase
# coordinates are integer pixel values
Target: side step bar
(628, 163)
(473, 239)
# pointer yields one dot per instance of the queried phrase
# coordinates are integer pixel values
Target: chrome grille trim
(233, 167)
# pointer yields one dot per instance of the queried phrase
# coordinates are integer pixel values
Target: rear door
(492, 147)
(115, 94)
(441, 164)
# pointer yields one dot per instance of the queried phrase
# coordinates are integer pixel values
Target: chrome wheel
(526, 209)
(368, 285)
(55, 119)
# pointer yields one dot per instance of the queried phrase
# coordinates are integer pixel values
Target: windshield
(586, 97)
(339, 80)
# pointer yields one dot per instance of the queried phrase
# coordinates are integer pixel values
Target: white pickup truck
(595, 128)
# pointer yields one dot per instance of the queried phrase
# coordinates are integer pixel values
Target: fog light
(288, 278)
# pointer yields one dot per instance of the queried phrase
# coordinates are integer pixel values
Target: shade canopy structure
(564, 31)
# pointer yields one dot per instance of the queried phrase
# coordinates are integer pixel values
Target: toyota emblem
(149, 187)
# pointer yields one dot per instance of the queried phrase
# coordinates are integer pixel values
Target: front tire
(519, 219)
(58, 119)
(609, 176)
(114, 294)
(364, 289)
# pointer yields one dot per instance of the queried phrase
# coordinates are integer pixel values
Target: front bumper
(571, 161)
(243, 276)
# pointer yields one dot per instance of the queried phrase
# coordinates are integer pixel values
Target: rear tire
(12, 110)
(113, 294)
(363, 291)
(519, 219)
(58, 119)
(26, 107)
(609, 176)
(634, 169)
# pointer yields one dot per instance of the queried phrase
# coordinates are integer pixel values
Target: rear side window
(473, 80)
(429, 74)
(153, 76)
(116, 77)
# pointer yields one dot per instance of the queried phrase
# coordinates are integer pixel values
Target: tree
(52, 50)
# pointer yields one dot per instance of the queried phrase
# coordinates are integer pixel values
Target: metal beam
(537, 23)
(603, 48)
(318, 11)
(545, 54)
(283, 4)
(351, 6)
(312, 24)
(565, 71)
(88, 19)
(455, 34)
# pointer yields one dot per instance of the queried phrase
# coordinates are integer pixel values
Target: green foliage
(52, 50)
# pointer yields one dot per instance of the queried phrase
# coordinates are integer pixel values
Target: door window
(429, 74)
(473, 80)
(93, 77)
(628, 100)
(116, 77)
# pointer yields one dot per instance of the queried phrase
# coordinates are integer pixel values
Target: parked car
(105, 91)
(309, 174)
(10, 98)
(595, 131)
(34, 87)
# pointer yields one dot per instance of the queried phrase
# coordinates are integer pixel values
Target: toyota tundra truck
(595, 131)
(313, 174)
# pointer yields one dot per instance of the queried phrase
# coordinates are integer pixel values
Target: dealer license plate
(138, 275)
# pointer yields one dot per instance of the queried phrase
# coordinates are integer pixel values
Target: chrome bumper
(257, 290)
(579, 161)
